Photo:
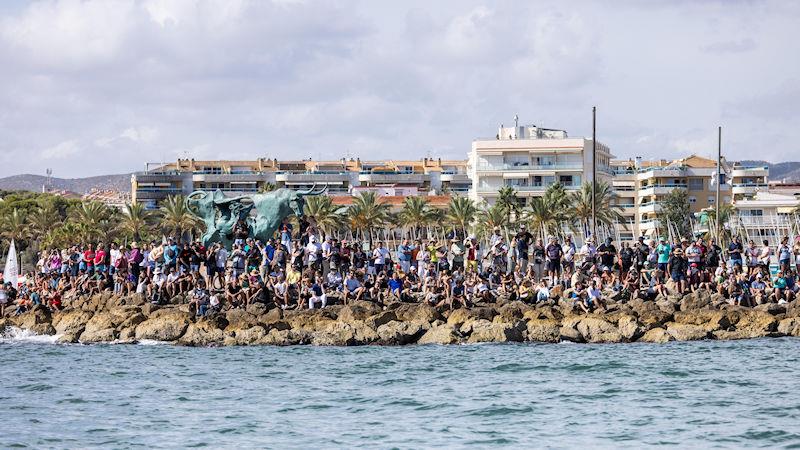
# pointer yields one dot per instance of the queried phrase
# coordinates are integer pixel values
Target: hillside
(29, 182)
(790, 171)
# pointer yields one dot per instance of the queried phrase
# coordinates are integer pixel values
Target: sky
(99, 87)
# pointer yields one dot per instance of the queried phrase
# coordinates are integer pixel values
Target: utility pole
(594, 173)
(719, 181)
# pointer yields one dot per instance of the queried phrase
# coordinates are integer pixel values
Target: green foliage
(605, 212)
(323, 212)
(367, 214)
(676, 213)
(461, 213)
(416, 213)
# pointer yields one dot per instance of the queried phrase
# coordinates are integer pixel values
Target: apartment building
(529, 159)
(640, 187)
(233, 178)
(766, 216)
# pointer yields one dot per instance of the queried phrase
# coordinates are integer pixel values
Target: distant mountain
(29, 182)
(789, 171)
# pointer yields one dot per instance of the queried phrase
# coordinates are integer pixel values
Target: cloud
(61, 150)
(241, 79)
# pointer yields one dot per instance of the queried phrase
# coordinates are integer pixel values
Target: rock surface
(695, 316)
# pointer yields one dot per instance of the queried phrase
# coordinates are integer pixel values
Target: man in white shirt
(588, 251)
(379, 256)
(312, 251)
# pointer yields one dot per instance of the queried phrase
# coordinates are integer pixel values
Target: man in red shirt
(88, 258)
(100, 258)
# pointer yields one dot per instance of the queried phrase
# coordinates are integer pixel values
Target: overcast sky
(101, 87)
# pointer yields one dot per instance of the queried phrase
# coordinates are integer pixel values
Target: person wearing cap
(677, 268)
(496, 236)
(404, 253)
(663, 250)
(456, 254)
(569, 251)
(472, 253)
(553, 254)
(607, 253)
(758, 289)
(588, 251)
(641, 253)
(522, 242)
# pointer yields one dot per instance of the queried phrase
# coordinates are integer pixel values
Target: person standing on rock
(554, 253)
(735, 251)
(523, 240)
(663, 250)
(677, 267)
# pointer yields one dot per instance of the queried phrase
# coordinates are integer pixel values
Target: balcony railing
(524, 168)
(158, 189)
(750, 185)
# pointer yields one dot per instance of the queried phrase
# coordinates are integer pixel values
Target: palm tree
(176, 218)
(43, 220)
(541, 218)
(325, 214)
(367, 214)
(461, 213)
(416, 213)
(267, 187)
(13, 225)
(605, 212)
(507, 199)
(491, 217)
(135, 221)
(90, 213)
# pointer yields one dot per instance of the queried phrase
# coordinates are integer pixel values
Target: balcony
(660, 189)
(453, 176)
(650, 207)
(227, 177)
(756, 171)
(158, 177)
(748, 188)
(392, 177)
(320, 177)
(528, 168)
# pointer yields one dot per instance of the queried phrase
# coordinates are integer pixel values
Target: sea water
(693, 394)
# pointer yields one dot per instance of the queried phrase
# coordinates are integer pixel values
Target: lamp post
(594, 172)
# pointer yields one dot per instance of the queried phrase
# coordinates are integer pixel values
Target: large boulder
(399, 333)
(359, 310)
(286, 337)
(710, 319)
(37, 320)
(204, 333)
(485, 331)
(511, 312)
(71, 322)
(244, 336)
(650, 315)
(344, 333)
(239, 319)
(442, 334)
(543, 330)
(309, 319)
(462, 315)
(754, 323)
(629, 328)
(656, 336)
(696, 300)
(789, 326)
(379, 319)
(596, 329)
(166, 324)
(416, 312)
(686, 332)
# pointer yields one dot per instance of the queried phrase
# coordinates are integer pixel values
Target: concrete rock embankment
(701, 315)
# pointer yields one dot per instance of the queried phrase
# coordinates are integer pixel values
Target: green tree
(507, 199)
(676, 213)
(43, 220)
(324, 213)
(14, 226)
(605, 212)
(266, 187)
(367, 214)
(416, 214)
(176, 219)
(461, 213)
(136, 221)
(491, 217)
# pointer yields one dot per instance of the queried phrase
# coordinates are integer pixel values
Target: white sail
(11, 272)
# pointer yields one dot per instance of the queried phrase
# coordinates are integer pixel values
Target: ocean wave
(15, 334)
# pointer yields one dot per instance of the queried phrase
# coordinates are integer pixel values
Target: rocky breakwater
(701, 315)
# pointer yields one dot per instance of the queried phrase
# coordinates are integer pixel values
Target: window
(692, 200)
(695, 184)
(711, 199)
(517, 182)
(566, 180)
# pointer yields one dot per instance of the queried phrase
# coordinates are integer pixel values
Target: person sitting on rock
(456, 295)
(199, 300)
(234, 296)
(677, 268)
(317, 294)
(542, 292)
(594, 297)
(780, 294)
(758, 289)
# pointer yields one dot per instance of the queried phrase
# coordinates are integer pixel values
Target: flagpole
(718, 180)
(594, 172)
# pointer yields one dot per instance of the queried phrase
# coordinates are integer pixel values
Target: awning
(309, 183)
(508, 175)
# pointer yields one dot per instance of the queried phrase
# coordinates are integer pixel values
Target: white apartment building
(529, 159)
